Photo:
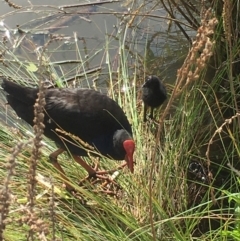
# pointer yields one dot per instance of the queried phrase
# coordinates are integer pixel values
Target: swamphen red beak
(129, 147)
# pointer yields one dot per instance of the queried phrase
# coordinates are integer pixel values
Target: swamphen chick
(88, 114)
(154, 94)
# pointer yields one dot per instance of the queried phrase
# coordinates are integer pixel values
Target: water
(99, 30)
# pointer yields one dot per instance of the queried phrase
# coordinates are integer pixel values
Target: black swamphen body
(154, 94)
(88, 114)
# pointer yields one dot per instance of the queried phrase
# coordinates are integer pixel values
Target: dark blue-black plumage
(154, 93)
(88, 114)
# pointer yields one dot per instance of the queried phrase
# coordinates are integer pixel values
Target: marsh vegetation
(186, 180)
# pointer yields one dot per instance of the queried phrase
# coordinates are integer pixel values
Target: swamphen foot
(93, 173)
(102, 176)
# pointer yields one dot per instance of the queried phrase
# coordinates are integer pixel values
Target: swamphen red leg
(92, 172)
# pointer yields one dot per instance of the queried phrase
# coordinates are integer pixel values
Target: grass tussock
(183, 187)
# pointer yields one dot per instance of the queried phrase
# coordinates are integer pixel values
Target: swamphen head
(123, 143)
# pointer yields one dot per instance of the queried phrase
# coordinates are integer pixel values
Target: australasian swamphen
(154, 93)
(88, 114)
